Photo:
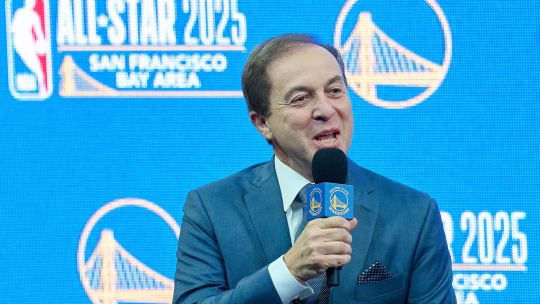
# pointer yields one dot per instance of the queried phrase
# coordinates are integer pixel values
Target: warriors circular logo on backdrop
(392, 59)
(110, 272)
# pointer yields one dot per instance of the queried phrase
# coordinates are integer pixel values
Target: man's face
(310, 107)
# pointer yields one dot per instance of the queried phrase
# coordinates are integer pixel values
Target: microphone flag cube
(329, 199)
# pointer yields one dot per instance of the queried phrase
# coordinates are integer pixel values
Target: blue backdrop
(112, 110)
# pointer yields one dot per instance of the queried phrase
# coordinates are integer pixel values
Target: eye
(299, 99)
(335, 91)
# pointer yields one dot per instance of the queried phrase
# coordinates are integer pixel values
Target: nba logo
(29, 49)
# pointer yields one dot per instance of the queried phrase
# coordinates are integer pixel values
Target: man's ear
(261, 124)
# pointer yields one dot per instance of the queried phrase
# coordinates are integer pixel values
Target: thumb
(353, 224)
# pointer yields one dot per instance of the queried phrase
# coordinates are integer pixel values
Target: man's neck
(290, 182)
(306, 173)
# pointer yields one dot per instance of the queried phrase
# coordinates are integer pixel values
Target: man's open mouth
(327, 137)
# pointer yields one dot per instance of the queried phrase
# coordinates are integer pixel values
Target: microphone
(330, 196)
(329, 165)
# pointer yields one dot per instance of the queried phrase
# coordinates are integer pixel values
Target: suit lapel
(366, 211)
(265, 207)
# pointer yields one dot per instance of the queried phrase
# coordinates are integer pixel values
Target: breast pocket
(387, 291)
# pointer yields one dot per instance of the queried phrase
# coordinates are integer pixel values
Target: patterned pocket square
(376, 272)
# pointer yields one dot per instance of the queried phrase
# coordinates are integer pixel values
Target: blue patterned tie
(321, 292)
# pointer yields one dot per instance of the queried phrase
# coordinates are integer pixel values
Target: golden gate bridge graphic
(75, 82)
(372, 58)
(111, 274)
(116, 276)
(337, 204)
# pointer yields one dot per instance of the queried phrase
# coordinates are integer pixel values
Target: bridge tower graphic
(111, 274)
(337, 204)
(75, 82)
(372, 58)
(115, 276)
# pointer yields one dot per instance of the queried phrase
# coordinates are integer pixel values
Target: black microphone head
(329, 165)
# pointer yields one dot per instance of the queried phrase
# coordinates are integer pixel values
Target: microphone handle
(332, 276)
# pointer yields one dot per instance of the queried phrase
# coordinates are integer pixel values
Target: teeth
(328, 140)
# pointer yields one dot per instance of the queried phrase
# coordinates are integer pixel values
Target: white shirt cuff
(286, 285)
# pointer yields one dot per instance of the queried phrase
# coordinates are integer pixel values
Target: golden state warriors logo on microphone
(395, 56)
(339, 201)
(315, 202)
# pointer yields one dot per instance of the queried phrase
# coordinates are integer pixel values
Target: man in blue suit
(241, 240)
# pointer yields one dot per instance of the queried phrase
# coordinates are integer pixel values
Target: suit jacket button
(295, 300)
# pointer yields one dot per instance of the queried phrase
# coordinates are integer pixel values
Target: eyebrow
(334, 79)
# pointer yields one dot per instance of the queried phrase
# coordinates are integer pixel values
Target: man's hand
(324, 243)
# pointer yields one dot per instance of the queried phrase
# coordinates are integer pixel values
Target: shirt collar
(290, 182)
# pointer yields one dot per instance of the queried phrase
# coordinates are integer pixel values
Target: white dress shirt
(290, 183)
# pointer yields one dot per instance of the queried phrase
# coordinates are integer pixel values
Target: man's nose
(323, 108)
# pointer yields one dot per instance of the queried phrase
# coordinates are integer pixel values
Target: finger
(332, 222)
(340, 260)
(335, 234)
(331, 261)
(335, 248)
(353, 224)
